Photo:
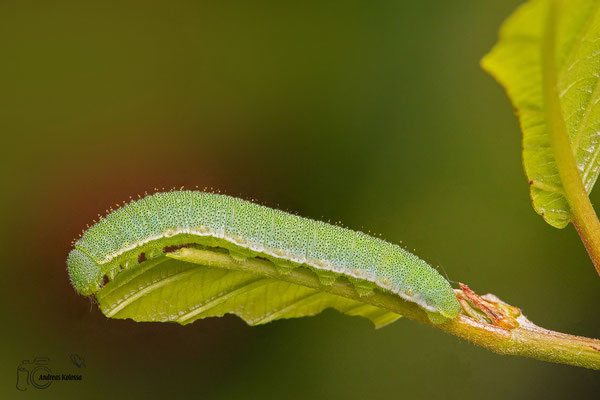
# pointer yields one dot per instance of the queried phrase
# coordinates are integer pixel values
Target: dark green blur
(374, 113)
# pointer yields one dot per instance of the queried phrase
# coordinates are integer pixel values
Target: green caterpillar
(145, 227)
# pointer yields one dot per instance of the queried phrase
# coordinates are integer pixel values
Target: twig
(489, 322)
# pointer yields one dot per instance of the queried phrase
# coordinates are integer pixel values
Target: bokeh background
(373, 113)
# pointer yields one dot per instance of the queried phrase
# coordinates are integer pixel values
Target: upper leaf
(516, 62)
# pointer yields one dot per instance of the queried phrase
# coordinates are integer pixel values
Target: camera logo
(77, 360)
(34, 373)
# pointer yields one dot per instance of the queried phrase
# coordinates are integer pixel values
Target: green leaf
(192, 284)
(517, 62)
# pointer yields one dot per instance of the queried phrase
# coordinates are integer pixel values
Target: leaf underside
(169, 289)
(516, 62)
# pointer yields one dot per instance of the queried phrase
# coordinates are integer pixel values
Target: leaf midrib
(575, 145)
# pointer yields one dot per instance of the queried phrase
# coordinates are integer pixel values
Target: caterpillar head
(85, 274)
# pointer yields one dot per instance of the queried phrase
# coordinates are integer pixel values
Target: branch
(485, 321)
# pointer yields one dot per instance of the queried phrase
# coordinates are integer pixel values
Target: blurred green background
(373, 113)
